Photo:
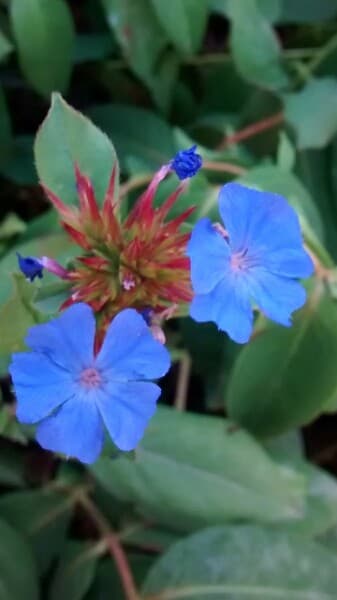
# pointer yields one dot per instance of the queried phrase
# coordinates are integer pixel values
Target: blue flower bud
(31, 267)
(186, 163)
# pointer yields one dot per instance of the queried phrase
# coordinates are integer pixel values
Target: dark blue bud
(31, 267)
(186, 163)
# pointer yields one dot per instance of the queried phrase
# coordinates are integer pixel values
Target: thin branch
(134, 183)
(223, 167)
(183, 381)
(113, 546)
(252, 130)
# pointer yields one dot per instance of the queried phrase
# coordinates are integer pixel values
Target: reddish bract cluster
(139, 263)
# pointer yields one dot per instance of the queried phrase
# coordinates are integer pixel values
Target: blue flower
(71, 392)
(186, 163)
(258, 258)
(31, 267)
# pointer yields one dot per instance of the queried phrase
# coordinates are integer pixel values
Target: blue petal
(277, 297)
(40, 386)
(289, 263)
(209, 254)
(130, 351)
(228, 306)
(76, 430)
(67, 340)
(259, 221)
(126, 409)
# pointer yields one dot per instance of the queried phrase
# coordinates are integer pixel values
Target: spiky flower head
(138, 262)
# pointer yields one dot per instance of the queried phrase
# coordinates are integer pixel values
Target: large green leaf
(191, 471)
(67, 137)
(144, 45)
(43, 517)
(44, 35)
(139, 135)
(286, 377)
(184, 22)
(300, 107)
(254, 45)
(243, 562)
(18, 576)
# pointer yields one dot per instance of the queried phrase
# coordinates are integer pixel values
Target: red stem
(253, 129)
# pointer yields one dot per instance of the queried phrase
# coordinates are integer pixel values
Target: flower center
(90, 378)
(239, 261)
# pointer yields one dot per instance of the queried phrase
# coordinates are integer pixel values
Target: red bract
(139, 263)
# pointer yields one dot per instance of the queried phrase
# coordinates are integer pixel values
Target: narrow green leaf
(255, 47)
(75, 572)
(67, 137)
(184, 22)
(190, 471)
(243, 562)
(17, 315)
(44, 35)
(144, 45)
(5, 46)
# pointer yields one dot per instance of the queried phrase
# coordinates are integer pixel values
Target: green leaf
(241, 562)
(286, 153)
(286, 377)
(67, 137)
(107, 584)
(270, 9)
(190, 471)
(321, 504)
(184, 22)
(9, 427)
(17, 315)
(137, 133)
(43, 517)
(254, 45)
(307, 11)
(11, 226)
(6, 140)
(5, 46)
(18, 577)
(144, 45)
(313, 112)
(75, 572)
(44, 36)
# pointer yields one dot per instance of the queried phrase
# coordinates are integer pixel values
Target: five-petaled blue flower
(186, 163)
(71, 392)
(255, 259)
(31, 267)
